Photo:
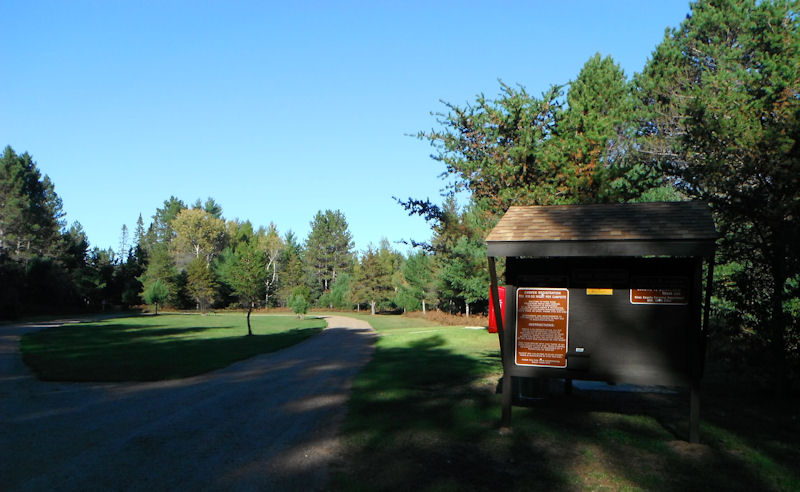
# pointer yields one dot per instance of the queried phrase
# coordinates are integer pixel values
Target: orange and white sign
(542, 327)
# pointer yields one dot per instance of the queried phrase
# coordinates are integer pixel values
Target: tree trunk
(423, 307)
(466, 305)
(250, 310)
(156, 309)
(372, 305)
(778, 322)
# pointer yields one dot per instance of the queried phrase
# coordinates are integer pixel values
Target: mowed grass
(152, 348)
(424, 415)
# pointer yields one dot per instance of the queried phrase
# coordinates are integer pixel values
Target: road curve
(266, 423)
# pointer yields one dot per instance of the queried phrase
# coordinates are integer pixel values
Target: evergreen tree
(139, 234)
(30, 210)
(160, 230)
(124, 237)
(593, 138)
(201, 283)
(373, 279)
(416, 289)
(721, 113)
(340, 296)
(328, 249)
(161, 267)
(291, 274)
(156, 293)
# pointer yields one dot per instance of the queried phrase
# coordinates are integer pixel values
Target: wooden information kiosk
(604, 292)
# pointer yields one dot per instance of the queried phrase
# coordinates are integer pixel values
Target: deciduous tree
(198, 232)
(246, 276)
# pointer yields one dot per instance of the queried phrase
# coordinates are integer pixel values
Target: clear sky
(278, 109)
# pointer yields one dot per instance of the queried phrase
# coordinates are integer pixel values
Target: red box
(492, 317)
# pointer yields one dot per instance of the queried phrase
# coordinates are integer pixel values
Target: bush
(299, 300)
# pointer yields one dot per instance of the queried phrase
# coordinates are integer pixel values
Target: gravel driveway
(267, 423)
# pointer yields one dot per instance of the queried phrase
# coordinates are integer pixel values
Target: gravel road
(267, 423)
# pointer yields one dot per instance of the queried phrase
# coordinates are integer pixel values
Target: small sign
(660, 291)
(599, 292)
(542, 327)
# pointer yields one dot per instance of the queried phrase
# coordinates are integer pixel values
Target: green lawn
(151, 348)
(424, 415)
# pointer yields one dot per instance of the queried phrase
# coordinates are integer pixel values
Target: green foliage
(493, 147)
(290, 259)
(416, 287)
(722, 99)
(328, 250)
(523, 150)
(464, 272)
(373, 277)
(161, 267)
(30, 210)
(160, 231)
(299, 301)
(340, 296)
(593, 138)
(198, 233)
(270, 245)
(202, 283)
(246, 275)
(156, 293)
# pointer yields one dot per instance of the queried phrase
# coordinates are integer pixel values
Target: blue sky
(278, 109)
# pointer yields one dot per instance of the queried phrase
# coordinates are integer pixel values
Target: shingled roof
(623, 229)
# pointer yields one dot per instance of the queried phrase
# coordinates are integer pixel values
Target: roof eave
(609, 248)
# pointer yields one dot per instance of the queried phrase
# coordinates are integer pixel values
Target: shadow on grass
(424, 417)
(151, 352)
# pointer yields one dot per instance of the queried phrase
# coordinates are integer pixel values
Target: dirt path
(267, 423)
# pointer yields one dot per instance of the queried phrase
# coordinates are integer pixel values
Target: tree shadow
(132, 352)
(424, 417)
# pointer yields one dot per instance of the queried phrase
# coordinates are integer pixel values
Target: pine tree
(721, 96)
(328, 249)
(30, 211)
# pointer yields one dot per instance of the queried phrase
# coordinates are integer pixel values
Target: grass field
(151, 348)
(424, 415)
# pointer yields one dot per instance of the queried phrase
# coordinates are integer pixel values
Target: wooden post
(505, 418)
(694, 413)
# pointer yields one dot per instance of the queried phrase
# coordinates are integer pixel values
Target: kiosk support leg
(505, 420)
(694, 413)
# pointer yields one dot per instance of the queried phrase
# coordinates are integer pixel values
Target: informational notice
(542, 324)
(660, 291)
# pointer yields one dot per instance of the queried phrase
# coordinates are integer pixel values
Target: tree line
(192, 257)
